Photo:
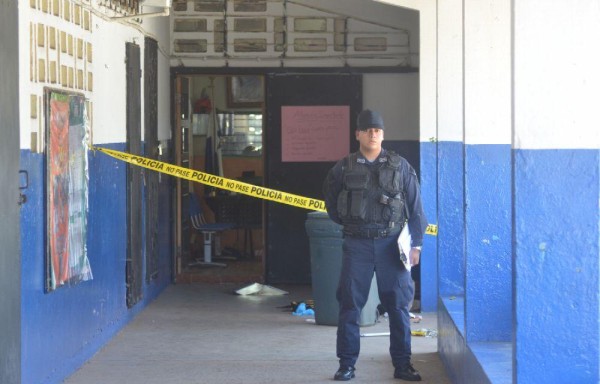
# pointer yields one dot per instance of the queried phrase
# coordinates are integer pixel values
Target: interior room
(222, 134)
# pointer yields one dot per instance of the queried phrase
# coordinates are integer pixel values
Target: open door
(288, 255)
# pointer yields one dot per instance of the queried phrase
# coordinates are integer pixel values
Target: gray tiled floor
(201, 333)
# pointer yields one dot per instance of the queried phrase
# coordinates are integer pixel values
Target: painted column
(10, 254)
(428, 132)
(450, 176)
(556, 191)
(487, 170)
(450, 150)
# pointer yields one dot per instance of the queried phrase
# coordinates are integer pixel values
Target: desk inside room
(244, 211)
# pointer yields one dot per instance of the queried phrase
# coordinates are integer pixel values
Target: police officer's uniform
(373, 200)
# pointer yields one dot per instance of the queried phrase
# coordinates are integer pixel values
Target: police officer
(372, 193)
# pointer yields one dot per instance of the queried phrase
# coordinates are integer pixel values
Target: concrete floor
(204, 333)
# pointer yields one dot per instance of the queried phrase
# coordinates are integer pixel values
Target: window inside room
(241, 134)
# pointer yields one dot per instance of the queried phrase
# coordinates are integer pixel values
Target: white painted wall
(110, 114)
(110, 93)
(557, 74)
(108, 97)
(427, 63)
(487, 63)
(450, 71)
(29, 54)
(556, 78)
(28, 125)
(396, 97)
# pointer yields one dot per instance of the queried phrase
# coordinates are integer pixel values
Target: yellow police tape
(227, 184)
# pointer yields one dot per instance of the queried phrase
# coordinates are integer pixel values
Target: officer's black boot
(344, 373)
(407, 372)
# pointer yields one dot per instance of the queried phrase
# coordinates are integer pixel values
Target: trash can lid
(318, 215)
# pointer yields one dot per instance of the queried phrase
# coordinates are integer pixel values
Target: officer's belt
(372, 233)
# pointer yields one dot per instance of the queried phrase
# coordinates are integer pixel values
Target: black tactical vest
(372, 195)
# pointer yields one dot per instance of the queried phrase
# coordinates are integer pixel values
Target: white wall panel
(450, 70)
(36, 51)
(107, 94)
(110, 86)
(557, 74)
(427, 63)
(25, 87)
(487, 73)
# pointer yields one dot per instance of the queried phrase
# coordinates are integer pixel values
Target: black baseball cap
(369, 119)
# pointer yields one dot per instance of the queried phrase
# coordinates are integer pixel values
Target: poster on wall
(315, 133)
(67, 186)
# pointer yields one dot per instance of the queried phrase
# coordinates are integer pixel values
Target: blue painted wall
(557, 265)
(488, 216)
(547, 203)
(64, 328)
(429, 263)
(451, 218)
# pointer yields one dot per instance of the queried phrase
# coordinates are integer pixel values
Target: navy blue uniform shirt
(417, 222)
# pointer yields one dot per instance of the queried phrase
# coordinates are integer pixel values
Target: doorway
(243, 113)
(287, 241)
(219, 130)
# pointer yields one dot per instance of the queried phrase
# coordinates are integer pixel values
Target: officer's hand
(414, 256)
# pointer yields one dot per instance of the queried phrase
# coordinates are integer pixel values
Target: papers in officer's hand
(404, 247)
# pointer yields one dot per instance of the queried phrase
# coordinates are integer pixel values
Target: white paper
(404, 247)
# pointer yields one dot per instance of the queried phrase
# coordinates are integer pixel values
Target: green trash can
(325, 240)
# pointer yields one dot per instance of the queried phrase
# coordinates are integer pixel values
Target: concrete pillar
(10, 253)
(556, 190)
(427, 130)
(450, 148)
(487, 170)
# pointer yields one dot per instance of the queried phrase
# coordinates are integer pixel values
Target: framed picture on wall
(244, 91)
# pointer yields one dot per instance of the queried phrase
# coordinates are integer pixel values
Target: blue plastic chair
(209, 231)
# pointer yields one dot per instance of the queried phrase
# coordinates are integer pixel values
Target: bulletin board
(314, 133)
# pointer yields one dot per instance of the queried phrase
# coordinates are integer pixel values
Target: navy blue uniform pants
(362, 257)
